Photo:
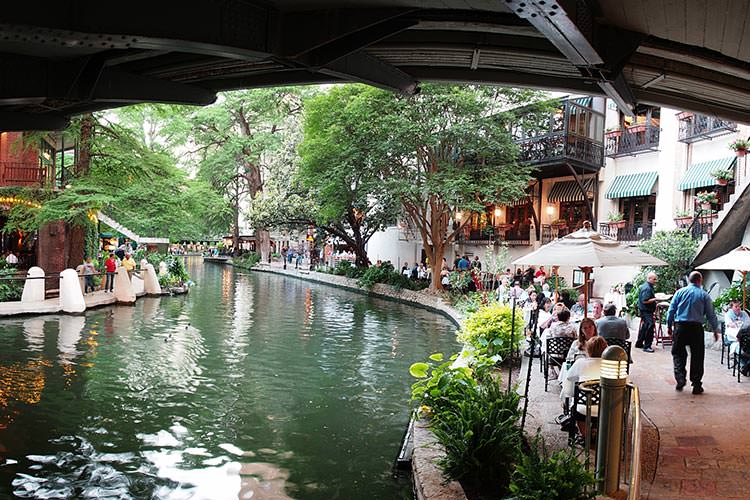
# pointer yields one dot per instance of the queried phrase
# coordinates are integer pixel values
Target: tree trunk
(435, 254)
(361, 257)
(236, 232)
(263, 238)
(84, 150)
(76, 245)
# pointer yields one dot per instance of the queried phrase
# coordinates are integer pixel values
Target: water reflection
(252, 386)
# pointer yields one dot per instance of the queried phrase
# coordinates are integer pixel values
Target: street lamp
(613, 381)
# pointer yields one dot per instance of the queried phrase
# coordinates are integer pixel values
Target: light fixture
(498, 212)
(614, 364)
(550, 210)
(458, 216)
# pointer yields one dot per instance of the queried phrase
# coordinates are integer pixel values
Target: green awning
(569, 191)
(629, 185)
(698, 175)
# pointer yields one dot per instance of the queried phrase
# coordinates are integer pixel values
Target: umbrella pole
(744, 290)
(586, 271)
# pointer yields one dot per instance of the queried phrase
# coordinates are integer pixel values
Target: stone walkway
(703, 448)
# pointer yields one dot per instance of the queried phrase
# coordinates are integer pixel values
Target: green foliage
(677, 249)
(481, 436)
(440, 385)
(468, 303)
(9, 289)
(346, 268)
(488, 330)
(247, 260)
(176, 275)
(386, 274)
(460, 280)
(732, 292)
(542, 475)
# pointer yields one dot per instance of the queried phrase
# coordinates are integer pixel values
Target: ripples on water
(252, 386)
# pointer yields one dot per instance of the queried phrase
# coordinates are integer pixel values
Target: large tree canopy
(444, 151)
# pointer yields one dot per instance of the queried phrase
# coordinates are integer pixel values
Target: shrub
(342, 267)
(9, 289)
(733, 292)
(247, 260)
(386, 274)
(488, 330)
(557, 476)
(481, 437)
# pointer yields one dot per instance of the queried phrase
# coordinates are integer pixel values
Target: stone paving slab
(49, 306)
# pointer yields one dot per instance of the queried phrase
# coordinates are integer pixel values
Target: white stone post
(33, 290)
(151, 281)
(71, 295)
(123, 287)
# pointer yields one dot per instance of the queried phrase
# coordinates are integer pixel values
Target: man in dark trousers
(689, 306)
(647, 308)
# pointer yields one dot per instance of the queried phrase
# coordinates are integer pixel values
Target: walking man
(110, 267)
(688, 308)
(647, 308)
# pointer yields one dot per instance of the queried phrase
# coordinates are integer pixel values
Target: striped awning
(698, 175)
(629, 185)
(519, 202)
(569, 191)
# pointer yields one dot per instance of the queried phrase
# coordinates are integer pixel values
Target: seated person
(597, 309)
(578, 308)
(552, 319)
(588, 368)
(735, 317)
(744, 356)
(577, 350)
(501, 294)
(563, 327)
(611, 326)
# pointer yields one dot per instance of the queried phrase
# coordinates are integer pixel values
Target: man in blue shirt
(646, 308)
(688, 308)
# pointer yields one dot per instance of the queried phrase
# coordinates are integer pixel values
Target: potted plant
(560, 223)
(706, 199)
(616, 219)
(740, 146)
(683, 218)
(684, 115)
(613, 132)
(722, 176)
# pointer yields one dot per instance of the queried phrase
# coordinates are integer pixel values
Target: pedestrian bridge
(76, 56)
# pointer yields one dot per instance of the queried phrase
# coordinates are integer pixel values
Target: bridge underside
(74, 56)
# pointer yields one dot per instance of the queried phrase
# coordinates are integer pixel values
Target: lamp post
(613, 380)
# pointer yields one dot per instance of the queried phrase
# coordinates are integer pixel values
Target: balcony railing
(631, 232)
(559, 146)
(697, 127)
(632, 140)
(512, 237)
(13, 173)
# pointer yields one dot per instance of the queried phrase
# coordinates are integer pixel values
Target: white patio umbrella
(738, 259)
(588, 249)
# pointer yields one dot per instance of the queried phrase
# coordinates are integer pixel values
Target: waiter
(688, 308)
(647, 308)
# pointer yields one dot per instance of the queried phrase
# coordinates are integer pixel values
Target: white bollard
(138, 286)
(71, 295)
(123, 287)
(151, 281)
(33, 290)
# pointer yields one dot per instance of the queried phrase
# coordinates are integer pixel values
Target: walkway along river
(252, 385)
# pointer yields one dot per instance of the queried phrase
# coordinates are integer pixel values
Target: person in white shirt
(588, 368)
(11, 259)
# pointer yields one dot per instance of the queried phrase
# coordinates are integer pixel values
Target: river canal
(251, 386)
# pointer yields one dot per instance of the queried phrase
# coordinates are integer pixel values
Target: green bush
(440, 386)
(348, 269)
(556, 476)
(488, 330)
(10, 290)
(177, 275)
(460, 280)
(247, 260)
(386, 274)
(677, 248)
(481, 436)
(733, 292)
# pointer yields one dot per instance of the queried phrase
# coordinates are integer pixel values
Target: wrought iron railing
(703, 224)
(16, 173)
(631, 141)
(514, 237)
(631, 232)
(697, 127)
(558, 146)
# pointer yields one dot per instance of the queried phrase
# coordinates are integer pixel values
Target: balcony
(520, 236)
(558, 147)
(631, 141)
(629, 233)
(697, 127)
(13, 173)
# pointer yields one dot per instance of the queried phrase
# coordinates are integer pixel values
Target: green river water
(251, 386)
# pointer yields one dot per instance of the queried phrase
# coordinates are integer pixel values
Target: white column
(33, 290)
(123, 287)
(71, 295)
(151, 280)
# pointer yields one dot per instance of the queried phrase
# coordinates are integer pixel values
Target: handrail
(634, 492)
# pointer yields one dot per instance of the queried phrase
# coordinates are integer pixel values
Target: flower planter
(722, 182)
(705, 206)
(620, 224)
(740, 152)
(683, 221)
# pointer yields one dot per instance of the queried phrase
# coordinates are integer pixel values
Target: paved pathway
(704, 443)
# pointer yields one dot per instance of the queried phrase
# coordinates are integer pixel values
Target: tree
(442, 152)
(352, 201)
(237, 138)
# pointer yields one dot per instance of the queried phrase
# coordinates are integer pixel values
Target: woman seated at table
(549, 321)
(563, 327)
(586, 368)
(586, 331)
